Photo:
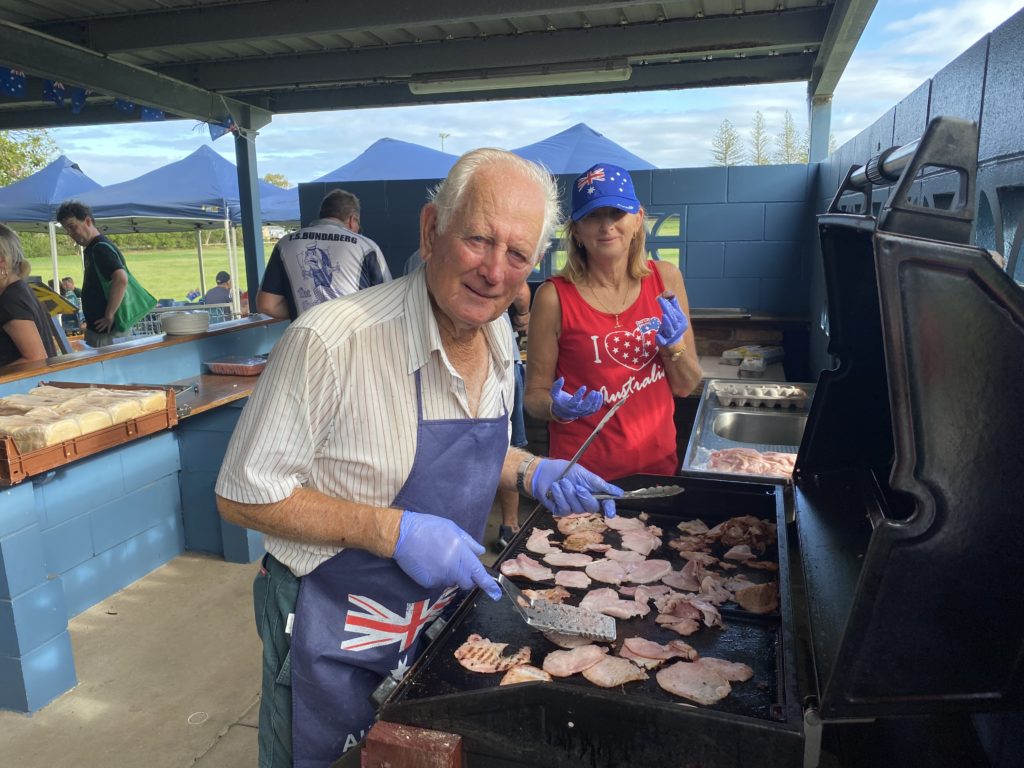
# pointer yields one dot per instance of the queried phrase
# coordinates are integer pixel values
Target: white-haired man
(370, 453)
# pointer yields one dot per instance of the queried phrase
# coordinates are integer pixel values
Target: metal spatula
(555, 617)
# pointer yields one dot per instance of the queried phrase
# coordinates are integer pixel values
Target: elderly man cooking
(371, 450)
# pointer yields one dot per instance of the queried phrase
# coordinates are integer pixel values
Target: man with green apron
(371, 450)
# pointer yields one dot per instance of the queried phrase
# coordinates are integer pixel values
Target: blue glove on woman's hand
(574, 492)
(566, 407)
(435, 552)
(673, 322)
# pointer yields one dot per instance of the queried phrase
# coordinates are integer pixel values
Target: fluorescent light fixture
(618, 74)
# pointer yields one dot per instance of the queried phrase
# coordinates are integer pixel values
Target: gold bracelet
(677, 354)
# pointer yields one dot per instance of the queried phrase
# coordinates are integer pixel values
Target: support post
(202, 267)
(252, 223)
(52, 226)
(821, 126)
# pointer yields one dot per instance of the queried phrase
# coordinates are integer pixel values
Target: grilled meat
(478, 654)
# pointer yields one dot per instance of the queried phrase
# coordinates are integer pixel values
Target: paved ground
(168, 676)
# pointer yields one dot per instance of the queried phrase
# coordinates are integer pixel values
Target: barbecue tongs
(554, 617)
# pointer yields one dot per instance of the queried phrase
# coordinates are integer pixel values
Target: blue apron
(359, 616)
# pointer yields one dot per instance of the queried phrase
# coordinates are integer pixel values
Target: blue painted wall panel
(199, 512)
(704, 260)
(786, 221)
(32, 619)
(21, 562)
(689, 185)
(734, 221)
(202, 449)
(68, 544)
(763, 260)
(92, 581)
(82, 486)
(149, 459)
(17, 508)
(129, 516)
(732, 292)
(783, 295)
(1004, 90)
(764, 183)
(241, 545)
(30, 682)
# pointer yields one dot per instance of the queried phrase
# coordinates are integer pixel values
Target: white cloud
(945, 32)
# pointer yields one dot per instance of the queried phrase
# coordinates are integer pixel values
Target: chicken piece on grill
(734, 671)
(693, 527)
(567, 559)
(623, 524)
(566, 663)
(525, 673)
(573, 579)
(538, 542)
(694, 682)
(588, 521)
(607, 601)
(582, 541)
(740, 553)
(652, 650)
(567, 641)
(527, 568)
(613, 671)
(643, 541)
(607, 571)
(478, 654)
(762, 598)
(624, 556)
(648, 571)
(554, 595)
(757, 534)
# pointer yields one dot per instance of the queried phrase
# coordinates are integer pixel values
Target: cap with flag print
(603, 186)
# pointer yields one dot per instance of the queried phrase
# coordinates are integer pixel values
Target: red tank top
(641, 437)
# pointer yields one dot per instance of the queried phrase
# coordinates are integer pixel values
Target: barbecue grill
(907, 527)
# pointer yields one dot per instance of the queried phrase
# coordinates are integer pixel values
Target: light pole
(443, 136)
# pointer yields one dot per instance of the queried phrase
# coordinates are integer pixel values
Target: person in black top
(25, 330)
(102, 259)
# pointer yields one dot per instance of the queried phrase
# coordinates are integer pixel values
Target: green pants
(275, 592)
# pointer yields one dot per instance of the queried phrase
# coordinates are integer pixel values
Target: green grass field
(169, 274)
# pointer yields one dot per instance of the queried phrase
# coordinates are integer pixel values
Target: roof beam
(47, 57)
(845, 26)
(273, 19)
(656, 77)
(752, 33)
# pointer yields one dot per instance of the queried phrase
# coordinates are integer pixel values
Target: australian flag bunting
(123, 105)
(150, 114)
(78, 97)
(12, 82)
(53, 91)
(219, 129)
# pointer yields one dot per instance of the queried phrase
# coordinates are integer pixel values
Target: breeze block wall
(984, 84)
(739, 234)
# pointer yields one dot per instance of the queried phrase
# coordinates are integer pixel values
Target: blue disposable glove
(435, 552)
(566, 407)
(673, 322)
(574, 492)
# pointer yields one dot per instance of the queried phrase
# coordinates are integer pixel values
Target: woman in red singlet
(616, 323)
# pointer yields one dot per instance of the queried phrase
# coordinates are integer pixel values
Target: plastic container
(237, 365)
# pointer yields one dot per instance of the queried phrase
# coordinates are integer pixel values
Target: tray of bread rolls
(56, 423)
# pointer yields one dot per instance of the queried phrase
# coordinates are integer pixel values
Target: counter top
(214, 390)
(135, 346)
(713, 369)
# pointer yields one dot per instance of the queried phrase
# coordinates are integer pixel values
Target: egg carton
(735, 395)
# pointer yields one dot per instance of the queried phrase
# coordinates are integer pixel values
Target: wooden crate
(15, 466)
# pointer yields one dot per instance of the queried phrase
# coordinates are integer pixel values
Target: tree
(277, 179)
(759, 141)
(725, 146)
(22, 153)
(788, 144)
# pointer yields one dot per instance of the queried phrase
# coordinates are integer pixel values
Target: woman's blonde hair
(11, 252)
(575, 269)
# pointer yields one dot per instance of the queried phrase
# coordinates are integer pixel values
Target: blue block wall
(76, 535)
(984, 84)
(743, 234)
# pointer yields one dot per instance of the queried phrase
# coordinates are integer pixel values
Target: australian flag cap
(603, 186)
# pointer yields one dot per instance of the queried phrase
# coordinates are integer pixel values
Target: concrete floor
(168, 676)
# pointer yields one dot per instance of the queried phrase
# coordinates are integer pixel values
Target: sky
(905, 43)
